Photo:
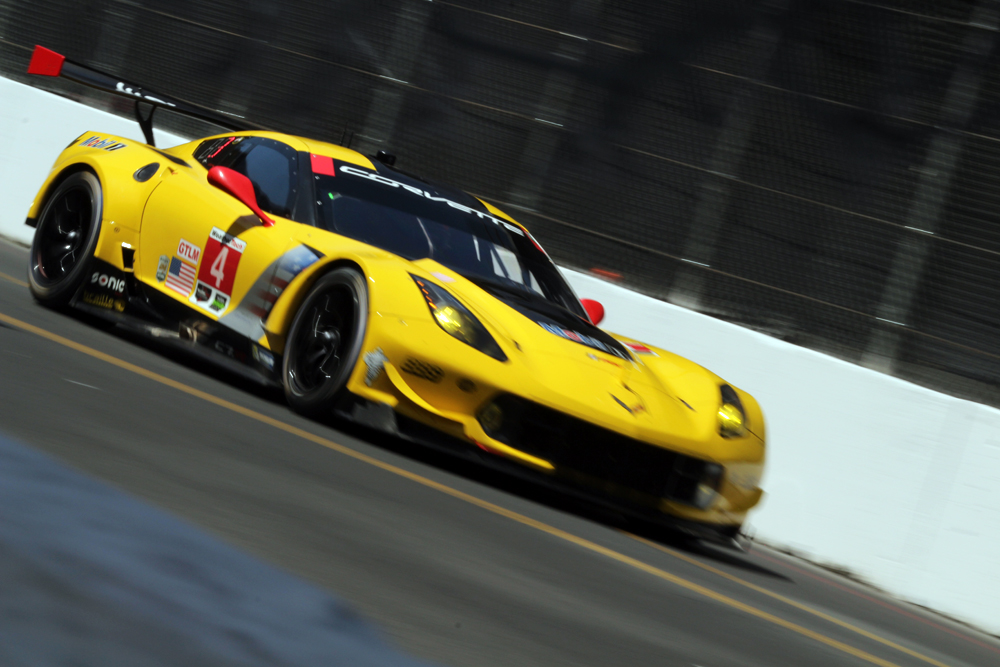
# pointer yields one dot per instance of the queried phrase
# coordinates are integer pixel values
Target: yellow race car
(397, 303)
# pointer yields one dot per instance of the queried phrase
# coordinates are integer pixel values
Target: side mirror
(240, 187)
(595, 311)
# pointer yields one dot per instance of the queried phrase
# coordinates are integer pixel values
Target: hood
(583, 370)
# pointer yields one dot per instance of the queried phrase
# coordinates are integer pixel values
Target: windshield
(417, 221)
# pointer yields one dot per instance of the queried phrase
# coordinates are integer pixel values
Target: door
(203, 247)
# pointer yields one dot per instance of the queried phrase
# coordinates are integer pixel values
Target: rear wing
(45, 62)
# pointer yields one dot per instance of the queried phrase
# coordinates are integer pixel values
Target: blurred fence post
(907, 269)
(737, 127)
(387, 99)
(6, 9)
(118, 23)
(550, 114)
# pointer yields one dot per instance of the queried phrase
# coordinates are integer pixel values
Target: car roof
(343, 154)
(337, 152)
(304, 144)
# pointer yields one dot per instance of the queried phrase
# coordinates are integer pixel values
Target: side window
(219, 151)
(270, 165)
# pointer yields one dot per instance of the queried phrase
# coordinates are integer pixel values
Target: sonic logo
(111, 283)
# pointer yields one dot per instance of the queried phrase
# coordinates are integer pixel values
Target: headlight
(456, 320)
(732, 418)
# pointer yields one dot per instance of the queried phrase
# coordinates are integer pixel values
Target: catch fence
(821, 170)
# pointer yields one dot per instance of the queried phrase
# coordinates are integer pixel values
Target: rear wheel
(65, 239)
(324, 342)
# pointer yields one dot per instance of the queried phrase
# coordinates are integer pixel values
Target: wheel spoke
(313, 357)
(321, 340)
(332, 355)
(317, 320)
(63, 234)
(62, 261)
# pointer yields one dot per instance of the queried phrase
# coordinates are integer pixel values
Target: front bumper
(381, 417)
(641, 479)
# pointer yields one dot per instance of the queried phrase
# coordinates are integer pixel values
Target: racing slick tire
(324, 342)
(65, 239)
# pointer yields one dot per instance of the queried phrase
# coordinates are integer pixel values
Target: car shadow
(466, 462)
(247, 382)
(471, 466)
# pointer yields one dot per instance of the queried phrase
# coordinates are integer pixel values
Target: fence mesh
(821, 170)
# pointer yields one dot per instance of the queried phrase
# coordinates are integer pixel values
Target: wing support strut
(146, 123)
(45, 62)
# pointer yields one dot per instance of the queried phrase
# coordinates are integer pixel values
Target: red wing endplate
(46, 62)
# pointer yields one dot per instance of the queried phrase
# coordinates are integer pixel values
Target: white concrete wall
(898, 483)
(35, 127)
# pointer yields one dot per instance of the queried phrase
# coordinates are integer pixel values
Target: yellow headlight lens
(455, 323)
(732, 423)
(456, 320)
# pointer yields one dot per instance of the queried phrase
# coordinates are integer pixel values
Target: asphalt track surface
(458, 565)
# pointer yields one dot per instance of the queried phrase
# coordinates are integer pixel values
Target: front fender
(114, 160)
(390, 290)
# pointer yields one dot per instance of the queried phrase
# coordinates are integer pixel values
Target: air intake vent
(423, 370)
(128, 257)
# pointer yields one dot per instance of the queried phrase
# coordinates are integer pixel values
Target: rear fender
(115, 161)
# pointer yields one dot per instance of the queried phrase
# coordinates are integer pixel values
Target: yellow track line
(781, 598)
(13, 279)
(461, 495)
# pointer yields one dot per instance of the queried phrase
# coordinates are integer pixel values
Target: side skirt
(117, 297)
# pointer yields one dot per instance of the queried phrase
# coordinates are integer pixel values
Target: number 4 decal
(218, 267)
(217, 272)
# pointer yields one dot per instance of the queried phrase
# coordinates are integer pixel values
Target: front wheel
(324, 342)
(65, 239)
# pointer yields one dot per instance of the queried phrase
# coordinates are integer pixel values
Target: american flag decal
(180, 278)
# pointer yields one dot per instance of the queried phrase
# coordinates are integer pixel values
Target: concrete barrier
(898, 483)
(35, 126)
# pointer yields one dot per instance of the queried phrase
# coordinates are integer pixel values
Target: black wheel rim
(323, 340)
(63, 235)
